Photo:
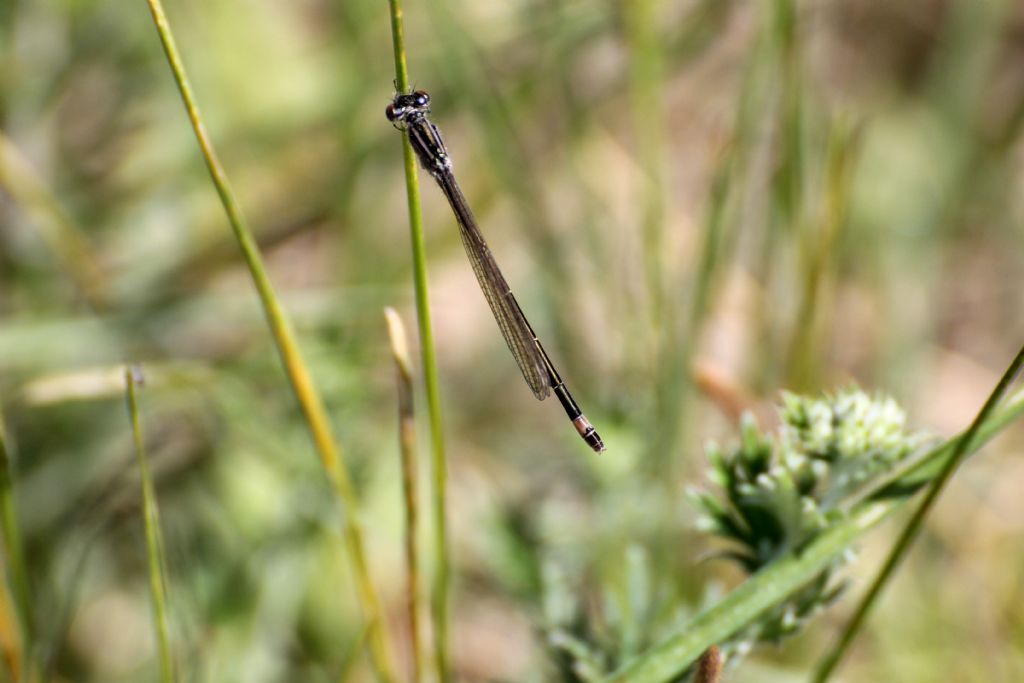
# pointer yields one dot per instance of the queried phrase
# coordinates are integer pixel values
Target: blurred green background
(697, 202)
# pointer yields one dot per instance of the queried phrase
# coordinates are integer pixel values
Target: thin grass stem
(62, 236)
(8, 22)
(645, 91)
(407, 447)
(439, 466)
(645, 83)
(20, 653)
(785, 213)
(350, 666)
(154, 540)
(819, 246)
(305, 390)
(12, 649)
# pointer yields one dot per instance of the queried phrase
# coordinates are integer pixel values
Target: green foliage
(780, 491)
(637, 609)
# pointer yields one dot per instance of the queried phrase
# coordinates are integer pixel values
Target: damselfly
(410, 112)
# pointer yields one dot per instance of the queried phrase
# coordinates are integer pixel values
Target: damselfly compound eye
(421, 98)
(390, 113)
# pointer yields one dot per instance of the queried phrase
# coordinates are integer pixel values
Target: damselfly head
(407, 105)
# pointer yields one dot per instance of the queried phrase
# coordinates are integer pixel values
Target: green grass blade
(62, 236)
(295, 366)
(645, 54)
(439, 465)
(14, 553)
(154, 541)
(350, 666)
(645, 86)
(913, 527)
(786, 212)
(407, 446)
(819, 242)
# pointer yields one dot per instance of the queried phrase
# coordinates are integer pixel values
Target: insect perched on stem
(409, 112)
